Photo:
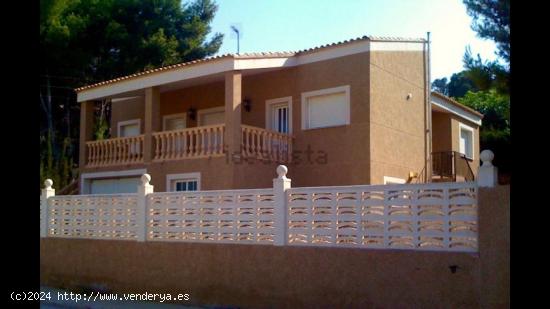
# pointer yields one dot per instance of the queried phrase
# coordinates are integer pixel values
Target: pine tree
(85, 41)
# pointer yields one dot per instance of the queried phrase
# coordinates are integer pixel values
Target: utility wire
(57, 87)
(395, 75)
(71, 77)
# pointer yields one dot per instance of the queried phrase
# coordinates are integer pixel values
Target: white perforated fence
(110, 216)
(236, 216)
(434, 216)
(438, 216)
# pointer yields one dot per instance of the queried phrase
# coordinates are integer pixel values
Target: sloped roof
(253, 55)
(457, 104)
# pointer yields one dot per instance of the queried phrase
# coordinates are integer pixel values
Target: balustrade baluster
(157, 146)
(171, 145)
(203, 144)
(222, 145)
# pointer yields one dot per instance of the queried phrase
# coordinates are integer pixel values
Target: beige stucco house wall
(385, 136)
(397, 123)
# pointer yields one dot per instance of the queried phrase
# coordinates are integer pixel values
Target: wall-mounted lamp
(192, 113)
(247, 105)
(409, 96)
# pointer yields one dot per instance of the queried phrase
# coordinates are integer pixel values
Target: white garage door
(114, 185)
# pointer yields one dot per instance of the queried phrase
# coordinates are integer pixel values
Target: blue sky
(281, 25)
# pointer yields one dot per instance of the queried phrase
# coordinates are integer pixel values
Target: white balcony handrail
(115, 151)
(197, 142)
(266, 144)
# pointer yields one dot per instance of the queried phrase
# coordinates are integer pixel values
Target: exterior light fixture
(247, 105)
(409, 96)
(192, 113)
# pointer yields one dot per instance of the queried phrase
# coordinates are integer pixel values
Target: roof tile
(248, 55)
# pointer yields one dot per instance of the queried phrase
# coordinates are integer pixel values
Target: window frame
(326, 91)
(171, 178)
(121, 124)
(462, 126)
(269, 104)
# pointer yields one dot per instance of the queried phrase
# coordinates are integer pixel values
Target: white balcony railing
(115, 151)
(189, 143)
(198, 142)
(265, 144)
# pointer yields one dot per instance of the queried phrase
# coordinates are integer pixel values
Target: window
(326, 108)
(393, 180)
(129, 128)
(278, 116)
(466, 143)
(185, 185)
(183, 182)
(174, 122)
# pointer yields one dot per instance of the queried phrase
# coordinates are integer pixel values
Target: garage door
(114, 185)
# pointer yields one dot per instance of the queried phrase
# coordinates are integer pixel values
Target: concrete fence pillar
(488, 173)
(141, 213)
(280, 185)
(47, 192)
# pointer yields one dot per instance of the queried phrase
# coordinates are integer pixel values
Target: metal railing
(452, 166)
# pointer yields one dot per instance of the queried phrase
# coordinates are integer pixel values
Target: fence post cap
(48, 183)
(281, 171)
(145, 179)
(486, 157)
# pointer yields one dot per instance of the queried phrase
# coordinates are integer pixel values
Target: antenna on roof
(237, 30)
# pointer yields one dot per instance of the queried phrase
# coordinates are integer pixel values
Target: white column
(488, 173)
(233, 98)
(47, 192)
(280, 185)
(141, 213)
(152, 122)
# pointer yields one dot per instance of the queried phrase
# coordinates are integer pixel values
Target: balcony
(115, 151)
(265, 144)
(451, 166)
(190, 143)
(199, 142)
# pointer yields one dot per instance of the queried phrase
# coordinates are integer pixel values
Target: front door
(174, 123)
(212, 117)
(128, 130)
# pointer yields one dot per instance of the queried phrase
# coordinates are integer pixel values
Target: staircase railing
(72, 188)
(463, 168)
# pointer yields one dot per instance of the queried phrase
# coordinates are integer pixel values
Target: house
(353, 112)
